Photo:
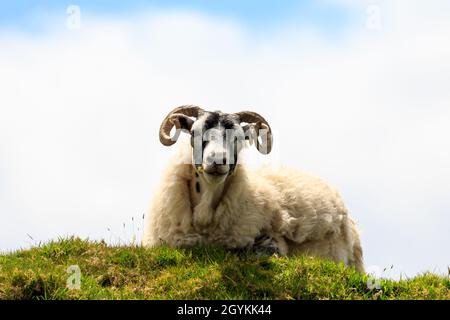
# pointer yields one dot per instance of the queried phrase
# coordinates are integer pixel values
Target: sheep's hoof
(265, 246)
(265, 252)
(188, 241)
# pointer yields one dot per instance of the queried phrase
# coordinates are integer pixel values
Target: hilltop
(133, 272)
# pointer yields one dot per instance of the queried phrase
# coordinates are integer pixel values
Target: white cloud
(80, 112)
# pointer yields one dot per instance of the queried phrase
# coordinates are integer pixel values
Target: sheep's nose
(215, 158)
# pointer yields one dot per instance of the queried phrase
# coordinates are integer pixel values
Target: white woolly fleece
(301, 212)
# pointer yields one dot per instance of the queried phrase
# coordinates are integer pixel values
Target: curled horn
(257, 122)
(178, 117)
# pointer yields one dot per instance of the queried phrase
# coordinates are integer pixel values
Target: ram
(207, 196)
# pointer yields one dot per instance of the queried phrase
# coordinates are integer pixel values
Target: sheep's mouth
(215, 176)
(216, 170)
(216, 173)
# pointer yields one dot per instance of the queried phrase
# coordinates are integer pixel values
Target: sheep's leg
(266, 245)
(187, 240)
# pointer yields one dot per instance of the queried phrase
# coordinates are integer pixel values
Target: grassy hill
(199, 273)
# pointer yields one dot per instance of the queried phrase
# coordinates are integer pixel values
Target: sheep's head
(216, 137)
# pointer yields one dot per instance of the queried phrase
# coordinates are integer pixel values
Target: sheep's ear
(257, 127)
(181, 122)
(250, 133)
(180, 118)
(185, 123)
(258, 130)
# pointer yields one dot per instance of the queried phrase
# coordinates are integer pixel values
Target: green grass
(199, 273)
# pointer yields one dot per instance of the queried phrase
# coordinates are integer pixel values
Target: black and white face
(216, 139)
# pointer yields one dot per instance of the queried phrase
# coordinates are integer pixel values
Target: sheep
(208, 197)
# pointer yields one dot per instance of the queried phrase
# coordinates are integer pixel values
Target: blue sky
(257, 15)
(371, 113)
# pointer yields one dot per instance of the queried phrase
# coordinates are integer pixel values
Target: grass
(199, 273)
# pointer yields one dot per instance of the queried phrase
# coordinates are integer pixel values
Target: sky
(253, 13)
(356, 92)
